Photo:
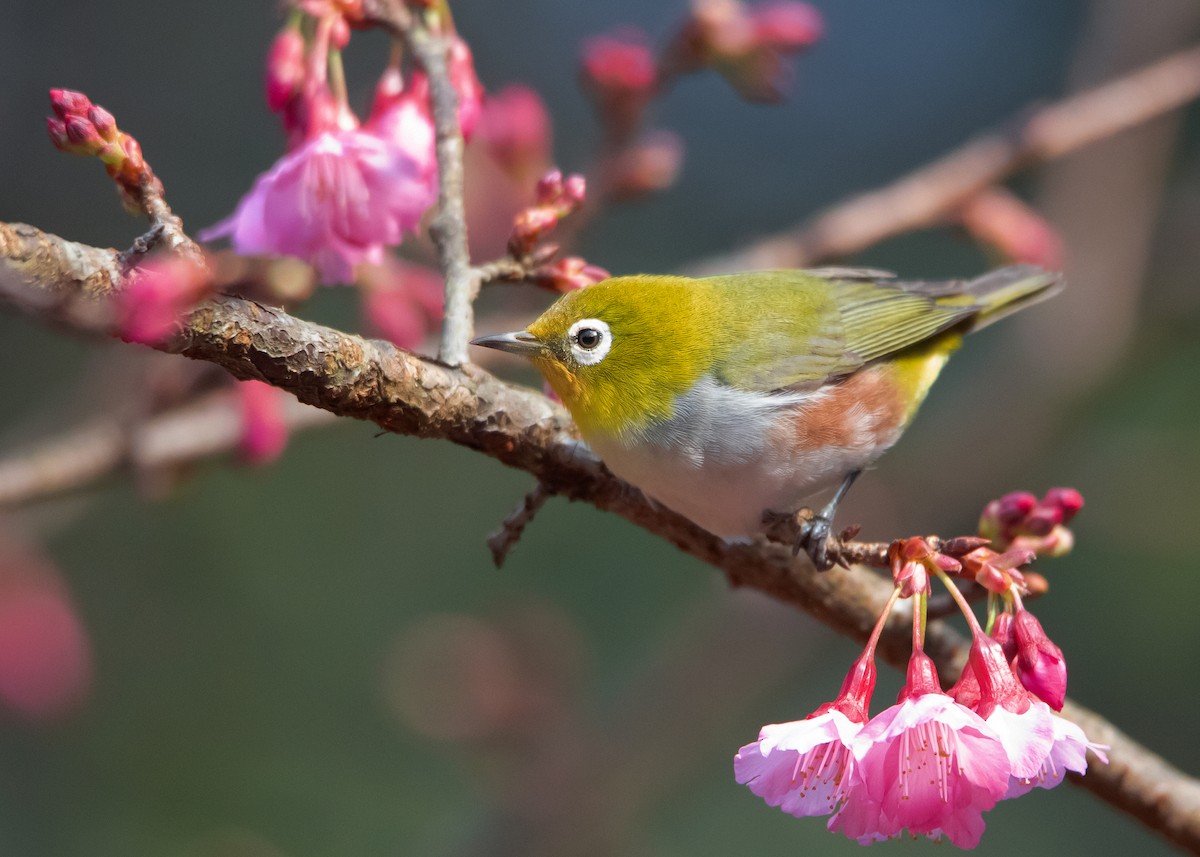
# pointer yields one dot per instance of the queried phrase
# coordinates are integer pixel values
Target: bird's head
(619, 353)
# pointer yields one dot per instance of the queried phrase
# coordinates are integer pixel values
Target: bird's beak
(520, 342)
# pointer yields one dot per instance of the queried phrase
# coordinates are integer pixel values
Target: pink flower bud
(549, 187)
(285, 68)
(103, 121)
(1040, 664)
(156, 295)
(574, 191)
(67, 102)
(620, 63)
(621, 75)
(647, 166)
(568, 274)
(786, 24)
(57, 129)
(339, 33)
(1067, 500)
(82, 134)
(467, 85)
(264, 426)
(515, 127)
(530, 226)
(1004, 633)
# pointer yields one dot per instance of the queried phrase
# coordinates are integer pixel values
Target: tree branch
(402, 393)
(928, 195)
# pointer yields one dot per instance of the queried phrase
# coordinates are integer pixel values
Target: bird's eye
(590, 341)
(588, 337)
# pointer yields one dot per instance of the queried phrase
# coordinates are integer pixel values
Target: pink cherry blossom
(1068, 753)
(157, 294)
(804, 767)
(400, 115)
(926, 764)
(335, 201)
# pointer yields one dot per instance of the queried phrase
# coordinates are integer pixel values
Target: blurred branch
(926, 196)
(56, 280)
(94, 450)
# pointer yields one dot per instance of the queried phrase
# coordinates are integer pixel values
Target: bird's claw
(814, 540)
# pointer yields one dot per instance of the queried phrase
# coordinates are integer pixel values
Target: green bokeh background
(268, 674)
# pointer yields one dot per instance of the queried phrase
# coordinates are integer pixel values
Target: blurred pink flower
(45, 660)
(620, 73)
(515, 127)
(467, 85)
(1006, 223)
(647, 165)
(336, 201)
(157, 294)
(402, 302)
(264, 427)
(400, 115)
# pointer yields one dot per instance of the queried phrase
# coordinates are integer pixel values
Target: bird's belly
(727, 499)
(727, 456)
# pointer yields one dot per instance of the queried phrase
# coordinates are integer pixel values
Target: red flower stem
(880, 622)
(972, 622)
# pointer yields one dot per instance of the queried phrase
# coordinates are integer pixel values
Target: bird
(727, 398)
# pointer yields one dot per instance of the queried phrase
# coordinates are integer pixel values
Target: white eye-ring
(590, 340)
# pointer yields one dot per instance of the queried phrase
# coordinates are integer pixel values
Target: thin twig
(509, 533)
(449, 226)
(928, 195)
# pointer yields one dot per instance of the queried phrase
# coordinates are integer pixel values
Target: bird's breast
(727, 455)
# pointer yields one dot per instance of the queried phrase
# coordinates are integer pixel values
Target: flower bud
(82, 134)
(466, 84)
(620, 74)
(1067, 500)
(786, 24)
(652, 164)
(57, 129)
(285, 69)
(515, 127)
(568, 274)
(1040, 664)
(67, 102)
(103, 121)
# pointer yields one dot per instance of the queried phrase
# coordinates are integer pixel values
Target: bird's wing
(814, 326)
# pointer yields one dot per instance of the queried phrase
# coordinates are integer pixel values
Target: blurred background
(316, 657)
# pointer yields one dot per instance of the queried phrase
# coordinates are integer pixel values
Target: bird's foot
(814, 540)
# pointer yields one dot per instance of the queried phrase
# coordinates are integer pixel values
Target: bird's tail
(1004, 291)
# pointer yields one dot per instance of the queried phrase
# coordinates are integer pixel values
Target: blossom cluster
(935, 761)
(346, 189)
